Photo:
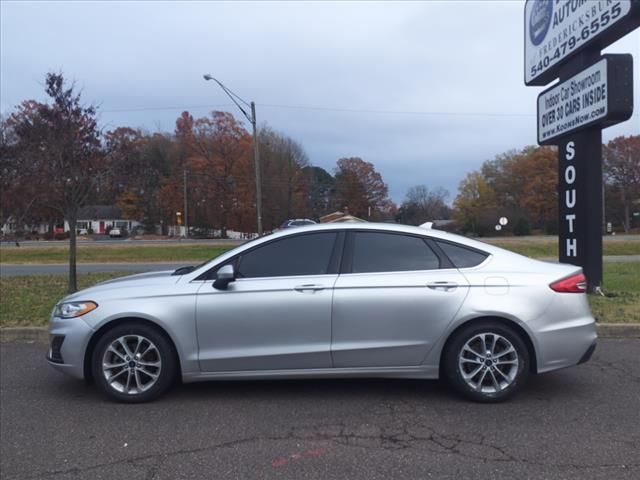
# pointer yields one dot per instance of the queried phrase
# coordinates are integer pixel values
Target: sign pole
(580, 212)
(580, 190)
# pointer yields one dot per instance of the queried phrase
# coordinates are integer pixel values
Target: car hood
(138, 281)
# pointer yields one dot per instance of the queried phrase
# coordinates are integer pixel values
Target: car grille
(56, 344)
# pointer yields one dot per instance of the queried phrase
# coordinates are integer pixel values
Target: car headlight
(74, 309)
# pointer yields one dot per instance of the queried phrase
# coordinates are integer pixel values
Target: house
(10, 227)
(338, 216)
(100, 218)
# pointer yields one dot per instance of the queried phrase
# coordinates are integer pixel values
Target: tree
(525, 185)
(320, 190)
(360, 188)
(284, 184)
(422, 204)
(475, 206)
(216, 153)
(622, 174)
(59, 146)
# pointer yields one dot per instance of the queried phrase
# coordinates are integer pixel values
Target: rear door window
(388, 252)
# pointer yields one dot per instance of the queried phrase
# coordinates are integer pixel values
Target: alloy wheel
(131, 364)
(488, 363)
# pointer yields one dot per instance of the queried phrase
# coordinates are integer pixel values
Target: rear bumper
(587, 355)
(566, 344)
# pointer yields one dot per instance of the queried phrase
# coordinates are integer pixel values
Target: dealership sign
(563, 39)
(601, 94)
(556, 29)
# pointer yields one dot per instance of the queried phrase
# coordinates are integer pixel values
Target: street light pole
(186, 212)
(256, 161)
(256, 153)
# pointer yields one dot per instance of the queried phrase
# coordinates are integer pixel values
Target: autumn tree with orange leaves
(520, 185)
(360, 188)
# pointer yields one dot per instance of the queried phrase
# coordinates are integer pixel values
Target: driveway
(578, 423)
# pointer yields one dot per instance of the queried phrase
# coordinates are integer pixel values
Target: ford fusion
(345, 300)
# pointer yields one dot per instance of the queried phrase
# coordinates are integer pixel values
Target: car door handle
(443, 286)
(309, 287)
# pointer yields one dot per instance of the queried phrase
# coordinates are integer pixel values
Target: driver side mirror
(224, 277)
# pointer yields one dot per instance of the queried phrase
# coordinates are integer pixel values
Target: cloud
(452, 72)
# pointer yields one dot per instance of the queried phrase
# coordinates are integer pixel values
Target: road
(12, 270)
(580, 423)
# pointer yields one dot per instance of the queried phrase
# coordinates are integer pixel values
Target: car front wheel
(133, 363)
(487, 362)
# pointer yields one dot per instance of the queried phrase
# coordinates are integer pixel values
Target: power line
(399, 112)
(336, 109)
(145, 109)
(327, 109)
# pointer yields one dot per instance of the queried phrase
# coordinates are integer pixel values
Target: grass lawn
(622, 286)
(28, 300)
(535, 247)
(113, 254)
(548, 248)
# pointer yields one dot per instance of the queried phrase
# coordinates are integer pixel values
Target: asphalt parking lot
(578, 423)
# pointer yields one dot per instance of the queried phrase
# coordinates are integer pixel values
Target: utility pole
(256, 161)
(186, 212)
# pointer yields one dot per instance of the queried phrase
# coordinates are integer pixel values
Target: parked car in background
(115, 233)
(331, 300)
(296, 222)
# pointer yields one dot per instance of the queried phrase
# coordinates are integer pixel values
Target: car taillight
(574, 284)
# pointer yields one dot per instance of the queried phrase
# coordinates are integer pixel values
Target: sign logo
(540, 20)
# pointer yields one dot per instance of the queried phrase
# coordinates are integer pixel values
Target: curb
(41, 334)
(24, 334)
(618, 330)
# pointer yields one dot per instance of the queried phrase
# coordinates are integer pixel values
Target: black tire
(160, 350)
(495, 386)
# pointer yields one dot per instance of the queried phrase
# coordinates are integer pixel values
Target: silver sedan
(346, 300)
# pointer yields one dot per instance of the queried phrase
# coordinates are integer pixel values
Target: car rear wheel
(133, 363)
(486, 362)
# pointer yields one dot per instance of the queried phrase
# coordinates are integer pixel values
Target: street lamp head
(208, 76)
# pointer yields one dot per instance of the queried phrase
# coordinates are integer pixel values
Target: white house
(98, 218)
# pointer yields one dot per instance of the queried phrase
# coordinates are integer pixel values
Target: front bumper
(68, 343)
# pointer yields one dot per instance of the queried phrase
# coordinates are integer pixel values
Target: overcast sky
(426, 91)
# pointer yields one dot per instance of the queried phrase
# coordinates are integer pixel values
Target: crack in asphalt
(401, 434)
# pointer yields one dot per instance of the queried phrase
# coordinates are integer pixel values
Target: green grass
(622, 287)
(535, 247)
(28, 300)
(548, 248)
(114, 254)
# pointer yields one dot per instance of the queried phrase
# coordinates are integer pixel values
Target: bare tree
(421, 205)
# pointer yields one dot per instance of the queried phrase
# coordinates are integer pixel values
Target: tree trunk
(627, 217)
(73, 281)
